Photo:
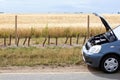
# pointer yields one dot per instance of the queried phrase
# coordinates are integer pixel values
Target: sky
(59, 6)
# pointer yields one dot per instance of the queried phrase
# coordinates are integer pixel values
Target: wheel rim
(111, 64)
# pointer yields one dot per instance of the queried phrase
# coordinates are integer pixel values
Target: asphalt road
(59, 76)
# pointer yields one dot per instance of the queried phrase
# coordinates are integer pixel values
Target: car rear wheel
(110, 64)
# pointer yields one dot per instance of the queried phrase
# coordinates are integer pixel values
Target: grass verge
(40, 56)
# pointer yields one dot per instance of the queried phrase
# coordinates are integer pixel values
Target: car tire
(110, 64)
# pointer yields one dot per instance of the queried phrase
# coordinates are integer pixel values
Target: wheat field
(53, 24)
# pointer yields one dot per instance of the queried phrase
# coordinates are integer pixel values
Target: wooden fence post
(88, 26)
(77, 41)
(44, 41)
(25, 41)
(18, 41)
(84, 40)
(29, 38)
(66, 40)
(4, 41)
(71, 40)
(49, 40)
(56, 40)
(10, 39)
(16, 36)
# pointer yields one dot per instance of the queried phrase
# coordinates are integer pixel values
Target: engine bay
(98, 40)
(102, 38)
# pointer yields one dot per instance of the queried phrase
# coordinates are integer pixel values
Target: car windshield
(117, 32)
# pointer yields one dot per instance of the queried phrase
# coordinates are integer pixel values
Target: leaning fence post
(29, 38)
(84, 40)
(44, 41)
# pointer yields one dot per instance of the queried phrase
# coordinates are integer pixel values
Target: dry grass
(50, 31)
(40, 56)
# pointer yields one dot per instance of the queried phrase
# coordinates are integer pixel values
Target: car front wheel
(110, 64)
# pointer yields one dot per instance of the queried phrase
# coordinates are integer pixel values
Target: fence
(48, 26)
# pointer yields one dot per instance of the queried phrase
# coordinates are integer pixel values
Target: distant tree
(1, 12)
(118, 12)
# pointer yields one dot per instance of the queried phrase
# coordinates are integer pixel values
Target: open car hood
(105, 23)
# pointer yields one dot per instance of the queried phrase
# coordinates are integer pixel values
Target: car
(103, 50)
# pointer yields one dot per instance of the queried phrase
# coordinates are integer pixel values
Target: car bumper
(92, 60)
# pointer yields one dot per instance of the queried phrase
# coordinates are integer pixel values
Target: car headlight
(95, 49)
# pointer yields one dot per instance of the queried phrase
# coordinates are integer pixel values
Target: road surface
(60, 76)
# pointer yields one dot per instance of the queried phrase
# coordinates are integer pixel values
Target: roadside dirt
(39, 69)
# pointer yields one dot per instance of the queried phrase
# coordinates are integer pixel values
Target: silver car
(103, 50)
